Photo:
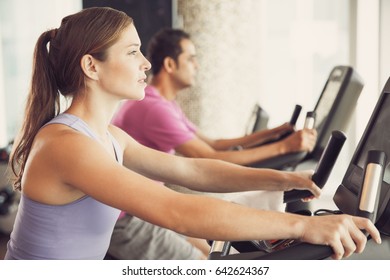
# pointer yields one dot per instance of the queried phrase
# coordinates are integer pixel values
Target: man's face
(186, 66)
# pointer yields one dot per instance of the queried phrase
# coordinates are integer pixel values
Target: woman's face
(123, 72)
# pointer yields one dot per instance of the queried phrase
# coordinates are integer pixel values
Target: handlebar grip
(310, 120)
(324, 166)
(372, 183)
(295, 114)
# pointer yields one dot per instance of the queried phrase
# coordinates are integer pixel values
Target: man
(159, 123)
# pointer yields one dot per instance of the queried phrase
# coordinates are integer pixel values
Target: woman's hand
(344, 233)
(301, 180)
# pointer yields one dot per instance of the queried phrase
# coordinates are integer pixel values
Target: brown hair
(57, 70)
(165, 43)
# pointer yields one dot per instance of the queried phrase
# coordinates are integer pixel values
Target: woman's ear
(88, 66)
(169, 64)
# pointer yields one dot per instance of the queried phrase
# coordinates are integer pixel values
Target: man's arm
(303, 140)
(251, 140)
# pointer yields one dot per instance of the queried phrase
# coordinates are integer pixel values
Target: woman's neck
(96, 113)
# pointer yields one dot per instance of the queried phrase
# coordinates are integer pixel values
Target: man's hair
(165, 43)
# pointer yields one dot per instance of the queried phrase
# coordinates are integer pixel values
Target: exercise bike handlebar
(373, 176)
(324, 166)
(295, 115)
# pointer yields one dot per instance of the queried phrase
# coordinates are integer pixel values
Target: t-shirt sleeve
(168, 128)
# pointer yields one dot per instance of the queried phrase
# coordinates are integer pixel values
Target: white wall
(22, 21)
(384, 42)
(367, 60)
(3, 124)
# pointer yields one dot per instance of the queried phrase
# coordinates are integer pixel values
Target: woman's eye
(132, 53)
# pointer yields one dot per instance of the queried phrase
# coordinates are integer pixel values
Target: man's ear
(169, 64)
(88, 66)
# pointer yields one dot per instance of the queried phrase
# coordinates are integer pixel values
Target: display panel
(375, 137)
(336, 105)
(378, 136)
(328, 97)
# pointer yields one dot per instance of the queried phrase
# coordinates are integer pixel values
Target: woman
(69, 168)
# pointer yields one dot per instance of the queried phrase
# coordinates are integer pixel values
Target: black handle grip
(295, 114)
(324, 166)
(371, 185)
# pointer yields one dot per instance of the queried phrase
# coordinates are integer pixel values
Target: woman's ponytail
(43, 103)
(57, 70)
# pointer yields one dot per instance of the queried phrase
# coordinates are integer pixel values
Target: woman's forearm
(219, 176)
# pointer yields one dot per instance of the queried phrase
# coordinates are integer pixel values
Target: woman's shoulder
(55, 150)
(57, 141)
(57, 132)
(123, 138)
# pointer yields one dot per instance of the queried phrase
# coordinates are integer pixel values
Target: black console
(258, 120)
(375, 137)
(336, 104)
(333, 111)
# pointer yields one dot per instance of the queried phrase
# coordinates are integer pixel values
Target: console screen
(328, 97)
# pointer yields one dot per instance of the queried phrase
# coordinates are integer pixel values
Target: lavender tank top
(79, 230)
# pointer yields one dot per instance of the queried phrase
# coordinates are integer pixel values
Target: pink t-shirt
(155, 122)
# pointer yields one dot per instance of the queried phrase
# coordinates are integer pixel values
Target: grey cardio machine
(333, 111)
(364, 191)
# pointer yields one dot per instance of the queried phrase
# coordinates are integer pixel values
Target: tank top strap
(79, 125)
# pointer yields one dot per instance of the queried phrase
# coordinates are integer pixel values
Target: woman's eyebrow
(133, 45)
